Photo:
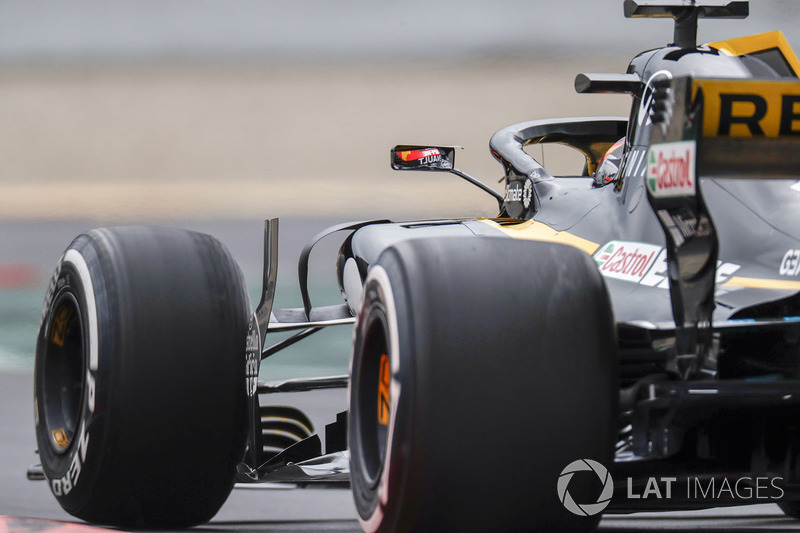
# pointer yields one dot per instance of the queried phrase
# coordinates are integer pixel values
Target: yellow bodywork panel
(760, 43)
(760, 283)
(537, 231)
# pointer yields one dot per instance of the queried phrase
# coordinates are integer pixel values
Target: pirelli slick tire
(140, 396)
(481, 369)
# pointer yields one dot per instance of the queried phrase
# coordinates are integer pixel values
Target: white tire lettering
(73, 473)
(64, 485)
(51, 291)
(66, 482)
(83, 445)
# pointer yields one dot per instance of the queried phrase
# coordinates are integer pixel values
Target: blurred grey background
(215, 115)
(161, 109)
(86, 31)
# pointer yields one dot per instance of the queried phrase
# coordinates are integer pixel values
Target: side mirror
(437, 159)
(413, 157)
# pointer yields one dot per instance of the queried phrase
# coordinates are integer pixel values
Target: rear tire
(140, 377)
(481, 369)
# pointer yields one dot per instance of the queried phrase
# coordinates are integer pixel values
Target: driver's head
(608, 169)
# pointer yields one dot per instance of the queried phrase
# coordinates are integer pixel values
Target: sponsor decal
(431, 154)
(790, 264)
(520, 192)
(748, 108)
(683, 226)
(692, 227)
(605, 254)
(657, 276)
(527, 193)
(627, 261)
(632, 261)
(55, 283)
(670, 169)
(252, 357)
(514, 192)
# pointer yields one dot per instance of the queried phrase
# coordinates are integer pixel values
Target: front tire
(140, 396)
(482, 367)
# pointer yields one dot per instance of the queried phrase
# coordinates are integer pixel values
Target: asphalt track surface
(276, 510)
(258, 510)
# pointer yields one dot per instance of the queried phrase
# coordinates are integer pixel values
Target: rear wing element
(750, 128)
(770, 47)
(747, 129)
(685, 13)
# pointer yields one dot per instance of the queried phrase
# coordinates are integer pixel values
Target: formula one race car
(624, 340)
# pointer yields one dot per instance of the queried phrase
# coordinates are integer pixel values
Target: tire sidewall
(372, 497)
(71, 474)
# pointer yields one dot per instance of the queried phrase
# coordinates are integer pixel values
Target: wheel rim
(375, 398)
(63, 380)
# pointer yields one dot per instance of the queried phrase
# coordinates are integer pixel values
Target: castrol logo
(670, 169)
(627, 261)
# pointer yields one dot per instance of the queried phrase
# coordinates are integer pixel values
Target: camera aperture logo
(585, 509)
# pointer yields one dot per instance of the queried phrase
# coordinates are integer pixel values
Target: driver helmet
(608, 168)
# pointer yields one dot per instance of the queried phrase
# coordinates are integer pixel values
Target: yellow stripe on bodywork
(759, 43)
(760, 283)
(537, 231)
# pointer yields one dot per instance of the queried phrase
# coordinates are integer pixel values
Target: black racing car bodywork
(687, 224)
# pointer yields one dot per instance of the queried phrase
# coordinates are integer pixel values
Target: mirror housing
(420, 157)
(436, 159)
